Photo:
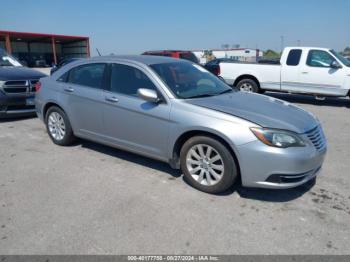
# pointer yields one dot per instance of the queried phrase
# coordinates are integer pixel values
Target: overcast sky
(131, 26)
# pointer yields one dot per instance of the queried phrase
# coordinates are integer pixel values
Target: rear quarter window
(294, 57)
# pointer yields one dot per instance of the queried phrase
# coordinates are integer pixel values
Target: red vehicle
(188, 55)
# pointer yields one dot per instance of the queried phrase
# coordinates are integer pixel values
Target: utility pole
(282, 43)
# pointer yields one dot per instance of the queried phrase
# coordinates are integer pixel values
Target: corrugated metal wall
(76, 49)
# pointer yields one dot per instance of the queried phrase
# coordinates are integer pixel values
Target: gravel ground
(92, 199)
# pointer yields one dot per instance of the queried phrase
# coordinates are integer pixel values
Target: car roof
(308, 48)
(143, 59)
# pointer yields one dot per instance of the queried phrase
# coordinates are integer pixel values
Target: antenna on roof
(98, 52)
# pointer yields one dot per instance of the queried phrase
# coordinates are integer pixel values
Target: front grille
(317, 138)
(15, 90)
(19, 86)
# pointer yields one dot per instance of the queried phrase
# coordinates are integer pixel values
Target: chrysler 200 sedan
(177, 112)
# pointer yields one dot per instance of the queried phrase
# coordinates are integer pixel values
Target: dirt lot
(92, 199)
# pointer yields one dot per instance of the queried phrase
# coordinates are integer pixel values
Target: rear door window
(90, 75)
(294, 57)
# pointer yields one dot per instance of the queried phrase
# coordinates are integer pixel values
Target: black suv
(17, 87)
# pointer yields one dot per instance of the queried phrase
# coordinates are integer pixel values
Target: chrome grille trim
(19, 86)
(317, 138)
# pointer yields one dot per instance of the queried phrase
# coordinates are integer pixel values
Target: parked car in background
(304, 70)
(177, 112)
(62, 63)
(187, 55)
(34, 59)
(17, 87)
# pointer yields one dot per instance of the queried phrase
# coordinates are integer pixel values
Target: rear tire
(207, 164)
(58, 127)
(248, 85)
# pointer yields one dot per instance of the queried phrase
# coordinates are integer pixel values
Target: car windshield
(7, 60)
(187, 80)
(345, 61)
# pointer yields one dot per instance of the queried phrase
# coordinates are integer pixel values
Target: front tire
(58, 127)
(208, 165)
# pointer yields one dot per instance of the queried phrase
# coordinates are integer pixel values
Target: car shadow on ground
(305, 99)
(131, 157)
(269, 195)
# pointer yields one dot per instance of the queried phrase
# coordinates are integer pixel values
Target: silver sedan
(177, 112)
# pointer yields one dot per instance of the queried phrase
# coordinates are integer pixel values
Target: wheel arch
(51, 104)
(246, 76)
(180, 141)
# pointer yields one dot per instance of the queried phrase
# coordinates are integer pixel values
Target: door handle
(112, 99)
(69, 89)
(304, 72)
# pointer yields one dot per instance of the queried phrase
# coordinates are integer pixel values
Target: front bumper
(269, 167)
(16, 105)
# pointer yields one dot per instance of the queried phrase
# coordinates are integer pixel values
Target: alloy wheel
(57, 127)
(205, 164)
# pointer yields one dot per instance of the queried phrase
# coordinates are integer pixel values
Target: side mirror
(335, 65)
(148, 95)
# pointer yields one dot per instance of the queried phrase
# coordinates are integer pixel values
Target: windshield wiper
(199, 96)
(212, 94)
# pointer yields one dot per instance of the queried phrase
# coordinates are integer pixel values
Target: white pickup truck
(304, 70)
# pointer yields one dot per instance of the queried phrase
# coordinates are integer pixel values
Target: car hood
(260, 109)
(19, 73)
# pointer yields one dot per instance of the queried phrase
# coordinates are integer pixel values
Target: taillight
(37, 86)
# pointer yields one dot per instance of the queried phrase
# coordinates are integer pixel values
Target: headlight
(278, 138)
(2, 83)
